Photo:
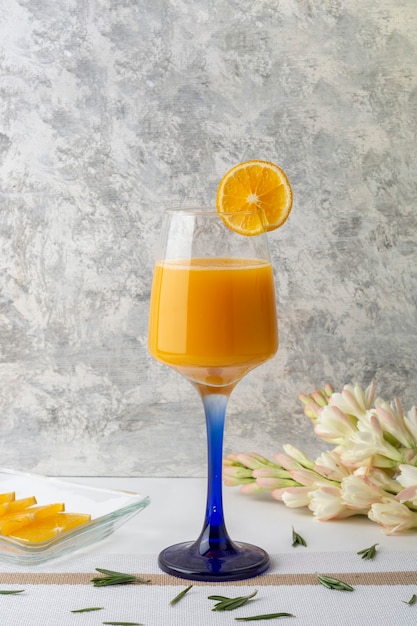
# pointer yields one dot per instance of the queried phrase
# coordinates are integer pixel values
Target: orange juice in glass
(213, 318)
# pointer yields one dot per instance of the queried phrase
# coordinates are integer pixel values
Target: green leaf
(87, 610)
(230, 604)
(180, 595)
(297, 539)
(412, 600)
(368, 553)
(334, 583)
(10, 592)
(124, 623)
(266, 616)
(116, 578)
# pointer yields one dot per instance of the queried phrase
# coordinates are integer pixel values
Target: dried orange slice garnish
(51, 526)
(254, 184)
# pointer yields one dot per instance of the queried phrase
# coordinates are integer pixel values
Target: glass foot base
(185, 561)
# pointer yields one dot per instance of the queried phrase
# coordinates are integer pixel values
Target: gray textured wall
(111, 110)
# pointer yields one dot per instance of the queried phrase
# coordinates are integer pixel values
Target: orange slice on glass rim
(254, 184)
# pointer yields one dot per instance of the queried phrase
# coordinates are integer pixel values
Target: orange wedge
(12, 522)
(7, 497)
(254, 184)
(16, 505)
(42, 530)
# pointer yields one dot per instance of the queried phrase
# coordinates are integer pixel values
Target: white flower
(408, 479)
(407, 476)
(326, 503)
(286, 461)
(269, 478)
(392, 421)
(309, 478)
(314, 402)
(410, 421)
(354, 400)
(379, 477)
(293, 497)
(371, 470)
(270, 472)
(298, 456)
(252, 488)
(393, 516)
(334, 425)
(294, 459)
(269, 483)
(236, 475)
(310, 408)
(252, 460)
(366, 444)
(330, 465)
(359, 493)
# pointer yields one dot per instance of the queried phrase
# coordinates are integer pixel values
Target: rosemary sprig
(123, 623)
(88, 609)
(334, 583)
(116, 578)
(266, 616)
(229, 604)
(180, 595)
(10, 592)
(368, 553)
(297, 540)
(411, 601)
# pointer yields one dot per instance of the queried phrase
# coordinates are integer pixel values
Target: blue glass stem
(214, 540)
(214, 556)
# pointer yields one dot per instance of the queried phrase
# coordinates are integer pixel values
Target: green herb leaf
(368, 553)
(10, 592)
(116, 578)
(229, 604)
(87, 610)
(297, 539)
(180, 595)
(266, 616)
(334, 583)
(412, 600)
(124, 623)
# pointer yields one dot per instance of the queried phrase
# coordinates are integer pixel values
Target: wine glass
(213, 319)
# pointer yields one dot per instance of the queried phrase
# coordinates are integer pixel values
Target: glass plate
(108, 508)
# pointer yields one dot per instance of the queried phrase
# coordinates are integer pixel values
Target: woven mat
(382, 588)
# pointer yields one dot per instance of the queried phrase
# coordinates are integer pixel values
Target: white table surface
(177, 509)
(382, 586)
